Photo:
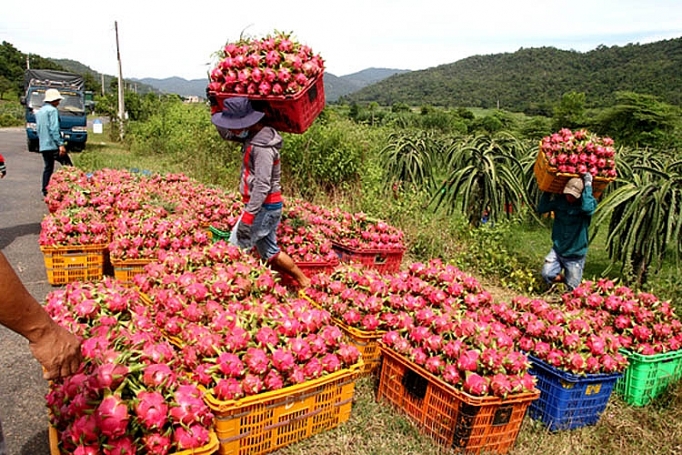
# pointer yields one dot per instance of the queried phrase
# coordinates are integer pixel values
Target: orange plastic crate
(383, 260)
(207, 449)
(263, 423)
(469, 424)
(290, 113)
(65, 264)
(552, 181)
(125, 271)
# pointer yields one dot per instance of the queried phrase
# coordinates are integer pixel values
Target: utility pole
(102, 83)
(121, 104)
(28, 62)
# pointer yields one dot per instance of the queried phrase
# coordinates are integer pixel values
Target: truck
(72, 110)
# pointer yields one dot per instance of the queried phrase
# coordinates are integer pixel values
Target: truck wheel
(32, 145)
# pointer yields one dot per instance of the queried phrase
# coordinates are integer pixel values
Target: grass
(378, 429)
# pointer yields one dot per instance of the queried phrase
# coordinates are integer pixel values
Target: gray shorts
(263, 232)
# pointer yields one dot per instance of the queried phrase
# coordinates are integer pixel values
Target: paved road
(22, 389)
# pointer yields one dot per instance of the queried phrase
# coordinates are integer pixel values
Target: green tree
(639, 120)
(570, 113)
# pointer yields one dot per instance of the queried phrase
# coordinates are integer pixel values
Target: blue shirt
(47, 124)
(571, 221)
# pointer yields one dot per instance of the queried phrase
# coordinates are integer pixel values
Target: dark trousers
(49, 157)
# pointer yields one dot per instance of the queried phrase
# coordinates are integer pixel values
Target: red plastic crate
(310, 269)
(385, 261)
(453, 418)
(290, 114)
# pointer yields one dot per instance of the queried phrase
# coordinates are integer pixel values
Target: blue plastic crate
(568, 401)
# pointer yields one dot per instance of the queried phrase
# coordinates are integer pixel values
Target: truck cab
(72, 110)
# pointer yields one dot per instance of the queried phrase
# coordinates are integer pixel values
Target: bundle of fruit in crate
(469, 352)
(76, 226)
(238, 332)
(275, 70)
(126, 396)
(566, 154)
(642, 322)
(370, 300)
(303, 239)
(571, 340)
(144, 234)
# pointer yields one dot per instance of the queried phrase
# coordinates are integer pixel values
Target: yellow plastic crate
(207, 449)
(365, 341)
(65, 264)
(552, 181)
(263, 423)
(125, 270)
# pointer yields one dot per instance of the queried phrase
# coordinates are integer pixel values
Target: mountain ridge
(334, 86)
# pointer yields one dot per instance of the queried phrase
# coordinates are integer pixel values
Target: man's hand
(58, 351)
(243, 232)
(587, 179)
(62, 150)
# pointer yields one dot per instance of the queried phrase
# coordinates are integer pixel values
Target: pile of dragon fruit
(580, 152)
(206, 318)
(274, 65)
(140, 216)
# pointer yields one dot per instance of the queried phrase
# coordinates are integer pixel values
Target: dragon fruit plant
(275, 65)
(580, 152)
(126, 398)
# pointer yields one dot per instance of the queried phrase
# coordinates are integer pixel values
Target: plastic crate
(552, 181)
(290, 113)
(648, 376)
(309, 269)
(569, 401)
(207, 449)
(453, 418)
(368, 344)
(74, 263)
(385, 261)
(125, 270)
(263, 423)
(218, 234)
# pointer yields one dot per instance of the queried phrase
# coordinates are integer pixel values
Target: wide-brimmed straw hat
(574, 187)
(52, 94)
(237, 114)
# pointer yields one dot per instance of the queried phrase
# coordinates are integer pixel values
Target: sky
(166, 39)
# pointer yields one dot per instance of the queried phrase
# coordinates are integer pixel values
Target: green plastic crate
(217, 234)
(648, 376)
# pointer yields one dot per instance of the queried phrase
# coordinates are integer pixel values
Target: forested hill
(531, 80)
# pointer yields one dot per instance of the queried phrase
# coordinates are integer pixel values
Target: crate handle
(379, 259)
(503, 415)
(415, 384)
